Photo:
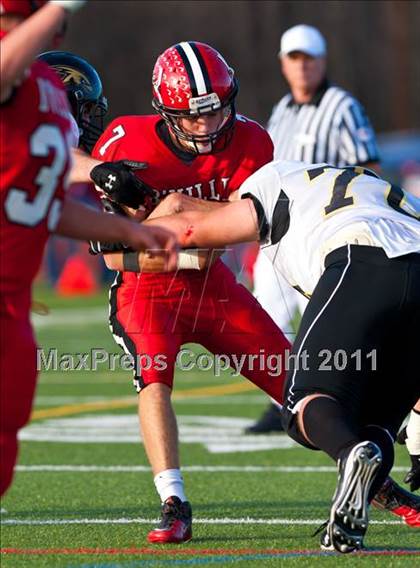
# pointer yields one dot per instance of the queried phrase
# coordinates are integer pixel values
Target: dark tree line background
(373, 49)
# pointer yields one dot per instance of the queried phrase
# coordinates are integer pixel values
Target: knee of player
(300, 406)
(295, 426)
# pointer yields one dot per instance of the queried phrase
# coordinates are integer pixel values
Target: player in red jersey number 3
(34, 165)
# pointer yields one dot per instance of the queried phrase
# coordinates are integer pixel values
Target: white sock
(413, 433)
(169, 483)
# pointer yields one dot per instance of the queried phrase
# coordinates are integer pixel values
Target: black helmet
(84, 91)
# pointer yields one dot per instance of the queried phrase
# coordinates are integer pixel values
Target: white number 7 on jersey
(119, 133)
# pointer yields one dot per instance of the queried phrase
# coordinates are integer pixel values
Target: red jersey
(35, 161)
(206, 176)
(152, 315)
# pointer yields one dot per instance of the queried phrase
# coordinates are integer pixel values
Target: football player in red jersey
(197, 146)
(35, 163)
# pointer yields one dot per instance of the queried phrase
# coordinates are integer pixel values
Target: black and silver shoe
(326, 543)
(349, 511)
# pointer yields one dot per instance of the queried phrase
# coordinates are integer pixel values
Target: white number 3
(19, 208)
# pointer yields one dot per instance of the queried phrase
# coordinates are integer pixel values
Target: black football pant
(359, 340)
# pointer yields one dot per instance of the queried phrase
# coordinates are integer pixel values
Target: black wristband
(131, 261)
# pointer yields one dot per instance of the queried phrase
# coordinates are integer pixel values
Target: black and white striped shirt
(332, 128)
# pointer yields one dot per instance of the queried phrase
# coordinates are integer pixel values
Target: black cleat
(270, 421)
(349, 511)
(326, 543)
(325, 539)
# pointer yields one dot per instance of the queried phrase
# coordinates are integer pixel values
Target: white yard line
(66, 317)
(142, 521)
(51, 400)
(188, 468)
(58, 400)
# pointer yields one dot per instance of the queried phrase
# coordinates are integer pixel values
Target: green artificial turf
(115, 499)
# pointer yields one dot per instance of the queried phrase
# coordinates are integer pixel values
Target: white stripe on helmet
(196, 69)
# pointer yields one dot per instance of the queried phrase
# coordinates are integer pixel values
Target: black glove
(98, 247)
(120, 184)
(112, 207)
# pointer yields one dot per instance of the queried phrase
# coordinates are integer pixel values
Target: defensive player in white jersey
(350, 241)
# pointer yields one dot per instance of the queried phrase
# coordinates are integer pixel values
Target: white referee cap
(303, 38)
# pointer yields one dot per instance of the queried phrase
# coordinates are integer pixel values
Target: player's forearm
(22, 44)
(144, 262)
(175, 203)
(180, 202)
(80, 222)
(83, 164)
(197, 259)
(234, 223)
(208, 204)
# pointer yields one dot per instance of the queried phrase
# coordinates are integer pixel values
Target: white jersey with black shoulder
(305, 212)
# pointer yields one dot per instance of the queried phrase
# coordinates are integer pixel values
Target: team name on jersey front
(213, 189)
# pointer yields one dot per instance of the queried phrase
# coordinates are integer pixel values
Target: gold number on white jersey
(341, 193)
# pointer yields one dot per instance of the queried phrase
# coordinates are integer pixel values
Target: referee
(315, 122)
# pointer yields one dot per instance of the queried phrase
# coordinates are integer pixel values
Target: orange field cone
(76, 278)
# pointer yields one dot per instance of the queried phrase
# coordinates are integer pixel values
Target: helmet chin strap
(196, 147)
(191, 145)
(201, 144)
(204, 148)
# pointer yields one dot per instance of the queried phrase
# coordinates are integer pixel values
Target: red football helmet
(192, 79)
(20, 7)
